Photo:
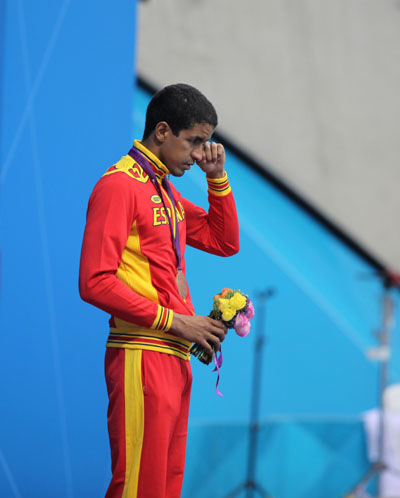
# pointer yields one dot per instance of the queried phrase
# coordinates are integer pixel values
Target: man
(133, 267)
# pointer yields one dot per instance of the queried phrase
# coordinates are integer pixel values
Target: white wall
(310, 87)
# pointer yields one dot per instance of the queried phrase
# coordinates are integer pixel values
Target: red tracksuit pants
(149, 394)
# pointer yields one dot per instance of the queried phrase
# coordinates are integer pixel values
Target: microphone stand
(250, 485)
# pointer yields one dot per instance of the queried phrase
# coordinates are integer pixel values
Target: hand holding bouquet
(232, 308)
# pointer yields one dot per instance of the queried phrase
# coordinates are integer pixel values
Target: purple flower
(242, 325)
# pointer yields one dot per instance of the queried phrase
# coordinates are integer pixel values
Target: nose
(197, 153)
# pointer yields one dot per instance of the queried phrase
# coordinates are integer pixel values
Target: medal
(181, 284)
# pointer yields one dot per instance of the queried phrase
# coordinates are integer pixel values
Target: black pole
(254, 428)
(250, 483)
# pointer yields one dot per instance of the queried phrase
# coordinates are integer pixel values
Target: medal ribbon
(137, 156)
(217, 359)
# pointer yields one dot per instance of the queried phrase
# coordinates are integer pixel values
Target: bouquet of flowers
(235, 310)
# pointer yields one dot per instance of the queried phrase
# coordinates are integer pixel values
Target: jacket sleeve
(110, 215)
(217, 231)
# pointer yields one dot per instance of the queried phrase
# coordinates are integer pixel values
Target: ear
(161, 131)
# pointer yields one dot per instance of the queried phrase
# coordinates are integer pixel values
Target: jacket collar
(159, 168)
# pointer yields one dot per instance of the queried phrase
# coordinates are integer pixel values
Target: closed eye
(197, 141)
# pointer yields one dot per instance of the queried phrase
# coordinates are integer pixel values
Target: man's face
(180, 152)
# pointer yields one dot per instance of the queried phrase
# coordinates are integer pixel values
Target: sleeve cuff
(163, 319)
(219, 186)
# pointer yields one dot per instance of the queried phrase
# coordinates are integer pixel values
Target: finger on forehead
(214, 146)
(208, 153)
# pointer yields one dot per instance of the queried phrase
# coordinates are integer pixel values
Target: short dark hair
(181, 106)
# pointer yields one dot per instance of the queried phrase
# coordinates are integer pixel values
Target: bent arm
(217, 231)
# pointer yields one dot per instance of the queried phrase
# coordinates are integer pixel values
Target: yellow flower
(228, 314)
(224, 304)
(238, 301)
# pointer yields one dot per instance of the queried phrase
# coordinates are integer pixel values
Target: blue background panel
(298, 457)
(67, 72)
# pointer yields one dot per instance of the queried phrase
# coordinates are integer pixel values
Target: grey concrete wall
(311, 87)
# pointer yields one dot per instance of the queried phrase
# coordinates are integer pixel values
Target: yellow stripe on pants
(134, 420)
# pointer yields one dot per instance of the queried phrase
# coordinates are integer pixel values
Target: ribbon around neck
(137, 156)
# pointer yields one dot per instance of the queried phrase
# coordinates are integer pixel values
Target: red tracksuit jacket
(128, 262)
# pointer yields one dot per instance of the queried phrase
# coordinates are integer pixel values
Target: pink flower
(242, 325)
(250, 310)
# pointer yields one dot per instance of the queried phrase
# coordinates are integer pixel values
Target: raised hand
(213, 160)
